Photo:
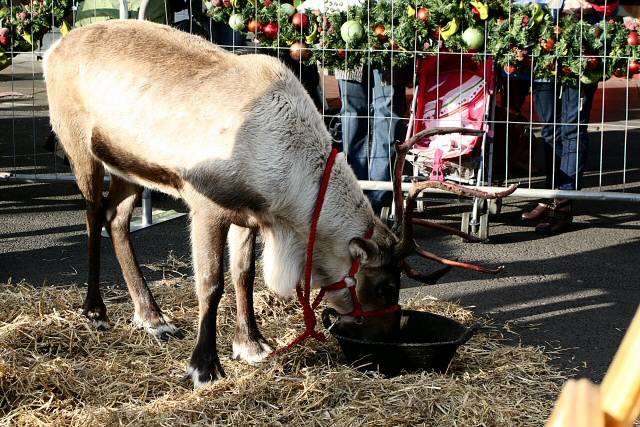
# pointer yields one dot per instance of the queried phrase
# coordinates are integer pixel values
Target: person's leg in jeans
(389, 104)
(576, 108)
(354, 115)
(548, 110)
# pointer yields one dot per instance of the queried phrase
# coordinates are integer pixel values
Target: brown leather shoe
(540, 211)
(558, 220)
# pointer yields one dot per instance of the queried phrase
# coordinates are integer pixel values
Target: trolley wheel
(483, 231)
(494, 207)
(480, 229)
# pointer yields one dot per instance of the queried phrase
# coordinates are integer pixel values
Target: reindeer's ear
(364, 250)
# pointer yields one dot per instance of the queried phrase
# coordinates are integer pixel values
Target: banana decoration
(311, 38)
(27, 37)
(65, 28)
(5, 60)
(538, 13)
(411, 11)
(483, 9)
(450, 29)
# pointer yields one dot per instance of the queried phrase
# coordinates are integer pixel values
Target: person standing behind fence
(370, 156)
(363, 91)
(564, 111)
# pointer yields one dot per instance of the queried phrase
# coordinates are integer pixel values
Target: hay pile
(55, 369)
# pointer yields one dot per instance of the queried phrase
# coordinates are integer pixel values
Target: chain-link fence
(537, 80)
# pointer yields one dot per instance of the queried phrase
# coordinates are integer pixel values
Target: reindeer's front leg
(248, 344)
(208, 233)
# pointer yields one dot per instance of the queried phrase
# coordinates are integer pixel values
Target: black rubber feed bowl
(426, 342)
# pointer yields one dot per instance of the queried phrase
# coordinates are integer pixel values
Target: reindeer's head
(372, 313)
(368, 297)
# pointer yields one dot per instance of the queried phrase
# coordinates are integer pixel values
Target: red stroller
(449, 129)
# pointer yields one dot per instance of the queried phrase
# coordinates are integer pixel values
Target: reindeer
(241, 142)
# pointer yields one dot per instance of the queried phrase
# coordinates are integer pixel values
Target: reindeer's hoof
(251, 351)
(161, 327)
(204, 375)
(98, 317)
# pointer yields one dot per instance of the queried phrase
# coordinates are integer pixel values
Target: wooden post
(620, 389)
(616, 403)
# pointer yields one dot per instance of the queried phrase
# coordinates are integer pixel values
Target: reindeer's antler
(407, 244)
(403, 149)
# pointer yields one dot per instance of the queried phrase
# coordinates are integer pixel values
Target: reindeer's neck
(346, 214)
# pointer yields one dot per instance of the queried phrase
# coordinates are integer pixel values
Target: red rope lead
(304, 295)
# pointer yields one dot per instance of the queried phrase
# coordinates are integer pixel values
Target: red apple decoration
(632, 40)
(510, 69)
(634, 67)
(300, 21)
(423, 14)
(299, 51)
(593, 63)
(270, 30)
(5, 37)
(342, 53)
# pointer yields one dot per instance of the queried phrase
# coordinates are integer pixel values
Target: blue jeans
(564, 113)
(372, 161)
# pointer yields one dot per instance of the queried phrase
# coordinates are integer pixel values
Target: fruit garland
(23, 24)
(521, 38)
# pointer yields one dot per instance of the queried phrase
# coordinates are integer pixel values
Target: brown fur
(122, 161)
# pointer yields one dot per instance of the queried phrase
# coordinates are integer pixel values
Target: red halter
(304, 295)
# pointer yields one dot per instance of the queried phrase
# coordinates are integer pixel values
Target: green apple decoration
(287, 8)
(473, 37)
(236, 21)
(351, 31)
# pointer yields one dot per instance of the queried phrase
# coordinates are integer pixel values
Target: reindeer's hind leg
(118, 210)
(248, 344)
(89, 172)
